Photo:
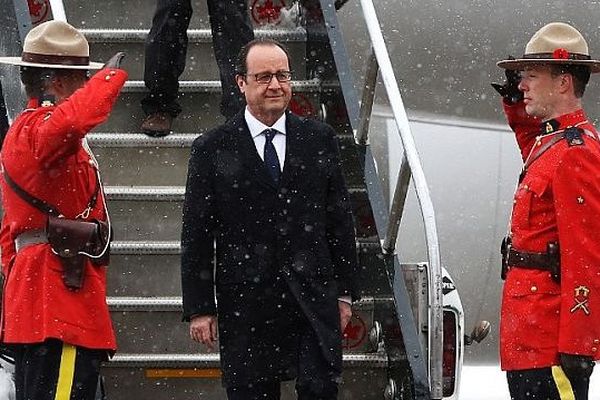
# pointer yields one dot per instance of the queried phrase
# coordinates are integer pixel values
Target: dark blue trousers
(550, 383)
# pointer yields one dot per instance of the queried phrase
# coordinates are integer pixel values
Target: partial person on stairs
(166, 51)
(55, 228)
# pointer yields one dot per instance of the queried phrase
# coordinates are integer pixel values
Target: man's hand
(345, 313)
(510, 89)
(576, 365)
(203, 329)
(115, 61)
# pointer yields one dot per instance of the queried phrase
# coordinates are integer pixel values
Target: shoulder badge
(574, 136)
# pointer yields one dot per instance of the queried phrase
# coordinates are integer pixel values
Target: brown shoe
(157, 124)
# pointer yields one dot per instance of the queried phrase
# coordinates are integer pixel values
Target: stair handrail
(58, 10)
(423, 196)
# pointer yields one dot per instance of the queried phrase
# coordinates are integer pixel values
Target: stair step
(134, 13)
(200, 102)
(174, 303)
(214, 86)
(124, 383)
(211, 360)
(145, 247)
(138, 269)
(132, 159)
(200, 57)
(145, 193)
(162, 193)
(153, 325)
(172, 247)
(148, 214)
(132, 247)
(194, 35)
(174, 140)
(116, 139)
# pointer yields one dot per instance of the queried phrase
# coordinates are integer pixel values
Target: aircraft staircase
(387, 340)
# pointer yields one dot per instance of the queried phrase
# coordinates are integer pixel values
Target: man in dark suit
(267, 187)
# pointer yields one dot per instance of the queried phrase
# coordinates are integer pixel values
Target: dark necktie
(271, 160)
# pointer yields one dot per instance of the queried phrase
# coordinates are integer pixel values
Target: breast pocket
(532, 203)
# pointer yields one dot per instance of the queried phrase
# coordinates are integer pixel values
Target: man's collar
(562, 122)
(256, 127)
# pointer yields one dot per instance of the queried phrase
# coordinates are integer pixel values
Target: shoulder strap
(541, 150)
(28, 198)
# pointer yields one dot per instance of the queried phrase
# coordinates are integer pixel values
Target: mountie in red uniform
(45, 154)
(557, 201)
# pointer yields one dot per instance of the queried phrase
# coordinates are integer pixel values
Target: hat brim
(21, 63)
(522, 63)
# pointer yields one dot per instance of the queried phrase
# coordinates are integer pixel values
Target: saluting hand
(203, 329)
(115, 61)
(510, 89)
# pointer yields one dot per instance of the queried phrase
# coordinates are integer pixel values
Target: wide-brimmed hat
(555, 43)
(54, 44)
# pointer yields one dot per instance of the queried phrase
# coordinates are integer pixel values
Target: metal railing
(411, 165)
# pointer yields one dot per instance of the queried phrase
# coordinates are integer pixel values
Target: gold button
(596, 341)
(526, 187)
(534, 288)
(113, 72)
(594, 349)
(107, 78)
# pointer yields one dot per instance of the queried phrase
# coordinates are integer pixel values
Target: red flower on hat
(560, 54)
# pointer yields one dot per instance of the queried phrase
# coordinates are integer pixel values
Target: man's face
(540, 91)
(266, 101)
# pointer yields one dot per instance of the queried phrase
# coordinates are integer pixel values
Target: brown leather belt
(31, 237)
(548, 261)
(521, 259)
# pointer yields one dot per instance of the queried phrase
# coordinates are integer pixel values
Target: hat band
(54, 59)
(563, 56)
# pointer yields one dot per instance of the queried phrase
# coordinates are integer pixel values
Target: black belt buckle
(505, 251)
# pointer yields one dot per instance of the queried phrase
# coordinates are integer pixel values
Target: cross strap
(40, 204)
(558, 136)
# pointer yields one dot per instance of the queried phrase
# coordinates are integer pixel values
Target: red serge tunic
(557, 200)
(43, 153)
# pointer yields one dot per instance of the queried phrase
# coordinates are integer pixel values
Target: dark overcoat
(258, 254)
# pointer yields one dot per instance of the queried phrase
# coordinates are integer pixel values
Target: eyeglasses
(264, 78)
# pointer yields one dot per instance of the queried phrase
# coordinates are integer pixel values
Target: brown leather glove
(115, 61)
(510, 89)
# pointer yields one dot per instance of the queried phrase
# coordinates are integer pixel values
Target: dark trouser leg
(52, 369)
(231, 30)
(166, 49)
(317, 378)
(579, 383)
(258, 391)
(546, 384)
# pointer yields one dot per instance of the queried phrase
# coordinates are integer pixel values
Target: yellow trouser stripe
(565, 391)
(66, 372)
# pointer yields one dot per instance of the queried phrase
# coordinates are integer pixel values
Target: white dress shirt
(257, 128)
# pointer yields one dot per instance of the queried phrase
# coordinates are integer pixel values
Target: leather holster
(69, 237)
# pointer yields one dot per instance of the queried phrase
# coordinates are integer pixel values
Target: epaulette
(574, 136)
